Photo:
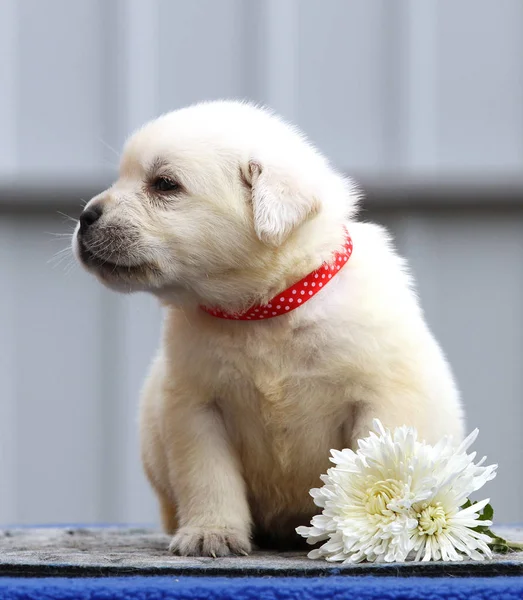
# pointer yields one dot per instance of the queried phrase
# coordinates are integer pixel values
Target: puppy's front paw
(204, 541)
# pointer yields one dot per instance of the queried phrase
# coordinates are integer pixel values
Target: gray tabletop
(88, 552)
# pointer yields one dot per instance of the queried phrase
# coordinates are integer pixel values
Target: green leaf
(487, 514)
(500, 548)
(497, 543)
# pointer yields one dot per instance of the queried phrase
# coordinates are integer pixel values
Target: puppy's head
(213, 191)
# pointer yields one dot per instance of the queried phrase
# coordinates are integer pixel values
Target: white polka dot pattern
(304, 290)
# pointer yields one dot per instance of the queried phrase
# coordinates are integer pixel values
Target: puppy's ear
(280, 204)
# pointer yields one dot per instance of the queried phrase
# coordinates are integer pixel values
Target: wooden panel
(340, 80)
(278, 56)
(200, 51)
(8, 78)
(56, 358)
(379, 85)
(73, 358)
(479, 87)
(59, 86)
(468, 268)
(418, 110)
(8, 406)
(139, 64)
(141, 319)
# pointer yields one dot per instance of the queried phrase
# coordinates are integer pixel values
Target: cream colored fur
(237, 418)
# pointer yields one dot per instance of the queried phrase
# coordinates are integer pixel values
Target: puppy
(289, 324)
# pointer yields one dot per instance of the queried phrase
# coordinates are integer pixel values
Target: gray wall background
(422, 100)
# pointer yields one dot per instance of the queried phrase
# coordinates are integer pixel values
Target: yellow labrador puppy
(289, 324)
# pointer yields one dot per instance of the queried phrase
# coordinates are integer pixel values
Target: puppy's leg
(168, 515)
(396, 410)
(205, 478)
(152, 450)
(390, 417)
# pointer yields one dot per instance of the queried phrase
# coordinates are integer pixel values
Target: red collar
(296, 295)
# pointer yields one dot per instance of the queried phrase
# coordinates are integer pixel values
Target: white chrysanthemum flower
(397, 498)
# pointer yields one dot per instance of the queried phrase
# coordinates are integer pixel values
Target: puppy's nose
(89, 216)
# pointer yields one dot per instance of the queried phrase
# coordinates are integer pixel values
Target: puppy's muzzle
(88, 217)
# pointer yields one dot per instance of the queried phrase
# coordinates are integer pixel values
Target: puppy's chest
(278, 399)
(285, 373)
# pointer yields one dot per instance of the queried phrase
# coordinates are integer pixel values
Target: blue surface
(191, 588)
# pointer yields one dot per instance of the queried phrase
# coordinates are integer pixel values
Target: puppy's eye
(162, 184)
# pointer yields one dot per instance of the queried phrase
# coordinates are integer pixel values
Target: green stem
(515, 546)
(500, 545)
